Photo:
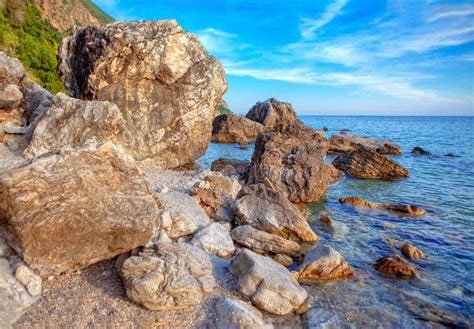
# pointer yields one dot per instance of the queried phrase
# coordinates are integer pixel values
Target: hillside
(32, 30)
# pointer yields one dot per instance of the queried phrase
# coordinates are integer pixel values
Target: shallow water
(444, 186)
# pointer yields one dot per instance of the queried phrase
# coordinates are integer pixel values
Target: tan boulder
(232, 128)
(411, 252)
(231, 167)
(346, 142)
(272, 112)
(395, 266)
(406, 210)
(323, 263)
(215, 239)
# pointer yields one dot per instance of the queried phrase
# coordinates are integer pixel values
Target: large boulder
(75, 207)
(346, 142)
(323, 263)
(172, 276)
(235, 314)
(272, 212)
(164, 82)
(271, 112)
(368, 164)
(71, 121)
(215, 239)
(291, 160)
(232, 128)
(268, 285)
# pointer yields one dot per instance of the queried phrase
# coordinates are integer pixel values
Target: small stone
(215, 239)
(412, 252)
(323, 263)
(419, 151)
(331, 223)
(395, 266)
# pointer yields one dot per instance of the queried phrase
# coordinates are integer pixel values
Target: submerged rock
(268, 285)
(235, 314)
(319, 318)
(215, 239)
(411, 252)
(395, 266)
(419, 151)
(272, 112)
(368, 164)
(323, 263)
(232, 128)
(330, 223)
(344, 142)
(163, 81)
(76, 207)
(407, 210)
(231, 167)
(272, 212)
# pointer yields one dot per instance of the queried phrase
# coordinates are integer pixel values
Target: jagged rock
(164, 82)
(271, 112)
(11, 70)
(172, 276)
(272, 212)
(235, 314)
(323, 263)
(284, 260)
(407, 210)
(411, 252)
(76, 207)
(216, 191)
(268, 285)
(181, 214)
(263, 242)
(10, 95)
(331, 223)
(344, 142)
(395, 266)
(38, 100)
(71, 121)
(232, 128)
(290, 160)
(231, 167)
(215, 239)
(367, 164)
(420, 151)
(11, 76)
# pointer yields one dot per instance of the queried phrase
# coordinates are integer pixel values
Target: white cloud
(452, 11)
(309, 25)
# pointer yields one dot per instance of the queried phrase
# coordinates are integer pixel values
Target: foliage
(96, 11)
(223, 109)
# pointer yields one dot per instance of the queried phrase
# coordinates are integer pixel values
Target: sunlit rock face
(164, 82)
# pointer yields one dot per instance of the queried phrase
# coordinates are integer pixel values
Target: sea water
(444, 186)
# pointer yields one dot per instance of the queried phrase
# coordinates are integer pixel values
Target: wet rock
(231, 167)
(323, 263)
(344, 142)
(71, 121)
(271, 112)
(215, 239)
(411, 252)
(284, 260)
(406, 210)
(319, 318)
(48, 206)
(272, 212)
(268, 285)
(263, 242)
(181, 214)
(172, 276)
(291, 160)
(420, 151)
(232, 128)
(368, 164)
(395, 266)
(358, 202)
(235, 314)
(163, 81)
(330, 223)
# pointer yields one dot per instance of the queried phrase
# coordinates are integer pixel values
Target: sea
(443, 294)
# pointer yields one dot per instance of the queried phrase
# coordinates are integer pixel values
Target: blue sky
(336, 57)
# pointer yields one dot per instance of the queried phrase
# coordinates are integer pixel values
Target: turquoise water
(444, 186)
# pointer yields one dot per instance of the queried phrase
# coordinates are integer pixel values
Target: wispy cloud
(219, 42)
(452, 11)
(310, 25)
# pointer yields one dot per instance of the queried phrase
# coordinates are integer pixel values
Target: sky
(332, 57)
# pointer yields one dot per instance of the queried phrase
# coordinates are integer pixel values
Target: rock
(222, 108)
(163, 81)
(284, 260)
(323, 263)
(235, 314)
(367, 164)
(291, 160)
(357, 202)
(395, 266)
(71, 121)
(319, 318)
(271, 112)
(38, 100)
(76, 207)
(272, 212)
(181, 215)
(216, 191)
(20, 287)
(174, 275)
(231, 167)
(266, 283)
(11, 70)
(171, 180)
(344, 142)
(232, 128)
(331, 223)
(407, 210)
(420, 151)
(412, 252)
(10, 96)
(215, 239)
(263, 242)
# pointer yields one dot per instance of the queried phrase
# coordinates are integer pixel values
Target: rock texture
(330, 223)
(272, 112)
(345, 141)
(266, 283)
(232, 128)
(172, 276)
(407, 210)
(38, 100)
(163, 81)
(272, 212)
(420, 151)
(71, 121)
(235, 314)
(231, 167)
(323, 263)
(367, 164)
(76, 207)
(11, 76)
(411, 252)
(263, 242)
(395, 266)
(291, 160)
(215, 239)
